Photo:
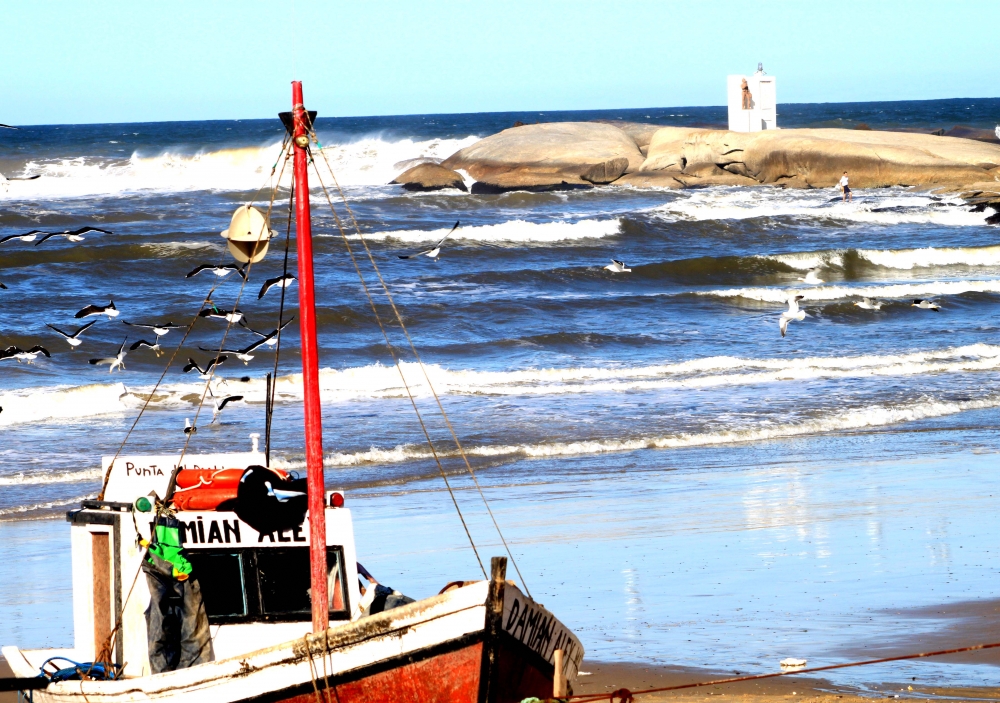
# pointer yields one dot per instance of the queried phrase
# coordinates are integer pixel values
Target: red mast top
(310, 367)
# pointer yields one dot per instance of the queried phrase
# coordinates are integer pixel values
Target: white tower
(758, 110)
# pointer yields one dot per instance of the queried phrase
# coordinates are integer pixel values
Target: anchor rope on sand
(623, 695)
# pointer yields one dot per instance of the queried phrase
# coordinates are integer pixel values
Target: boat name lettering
(283, 535)
(193, 532)
(151, 470)
(539, 631)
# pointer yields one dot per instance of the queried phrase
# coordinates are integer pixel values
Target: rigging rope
(395, 359)
(413, 348)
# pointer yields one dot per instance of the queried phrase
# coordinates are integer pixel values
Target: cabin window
(270, 584)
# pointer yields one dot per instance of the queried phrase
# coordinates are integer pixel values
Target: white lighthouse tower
(754, 107)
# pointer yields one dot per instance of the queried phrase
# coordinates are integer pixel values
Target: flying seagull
(869, 304)
(26, 237)
(271, 338)
(115, 362)
(155, 346)
(218, 313)
(110, 310)
(245, 355)
(792, 313)
(812, 278)
(280, 282)
(219, 405)
(220, 270)
(192, 364)
(73, 338)
(434, 251)
(925, 305)
(158, 329)
(22, 355)
(617, 266)
(75, 235)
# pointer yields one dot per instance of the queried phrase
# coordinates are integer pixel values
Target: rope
(625, 695)
(395, 359)
(399, 319)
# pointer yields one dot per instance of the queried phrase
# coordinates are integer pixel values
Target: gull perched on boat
(219, 313)
(24, 355)
(155, 346)
(73, 339)
(221, 270)
(435, 250)
(925, 304)
(812, 278)
(280, 282)
(75, 235)
(115, 362)
(869, 304)
(192, 364)
(792, 313)
(245, 355)
(271, 338)
(617, 266)
(110, 310)
(158, 329)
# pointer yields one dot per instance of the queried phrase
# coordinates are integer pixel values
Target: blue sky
(72, 62)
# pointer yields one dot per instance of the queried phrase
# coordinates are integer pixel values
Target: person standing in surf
(846, 188)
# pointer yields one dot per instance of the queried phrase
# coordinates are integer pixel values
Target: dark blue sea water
(555, 372)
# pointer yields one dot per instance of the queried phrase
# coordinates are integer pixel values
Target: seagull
(271, 338)
(434, 251)
(280, 281)
(192, 364)
(8, 126)
(221, 270)
(155, 346)
(158, 329)
(22, 355)
(792, 313)
(617, 266)
(869, 304)
(72, 338)
(75, 235)
(26, 237)
(116, 362)
(227, 315)
(188, 427)
(219, 406)
(812, 278)
(925, 305)
(110, 310)
(3, 287)
(243, 355)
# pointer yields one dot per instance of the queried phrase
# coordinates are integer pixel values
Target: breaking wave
(899, 290)
(870, 416)
(61, 403)
(902, 259)
(365, 161)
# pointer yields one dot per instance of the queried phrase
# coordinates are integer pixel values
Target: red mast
(310, 367)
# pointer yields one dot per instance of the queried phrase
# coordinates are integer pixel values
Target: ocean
(637, 418)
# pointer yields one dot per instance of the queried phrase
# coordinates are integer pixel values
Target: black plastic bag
(269, 503)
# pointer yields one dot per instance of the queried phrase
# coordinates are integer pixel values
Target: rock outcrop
(430, 176)
(549, 155)
(816, 158)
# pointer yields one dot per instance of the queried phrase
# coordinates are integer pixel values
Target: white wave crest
(889, 207)
(18, 512)
(510, 231)
(59, 403)
(899, 290)
(870, 416)
(902, 259)
(40, 478)
(366, 161)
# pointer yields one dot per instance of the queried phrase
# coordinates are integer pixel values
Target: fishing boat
(286, 615)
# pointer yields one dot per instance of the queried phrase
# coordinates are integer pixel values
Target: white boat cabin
(255, 585)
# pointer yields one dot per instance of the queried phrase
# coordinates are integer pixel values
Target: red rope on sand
(625, 696)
